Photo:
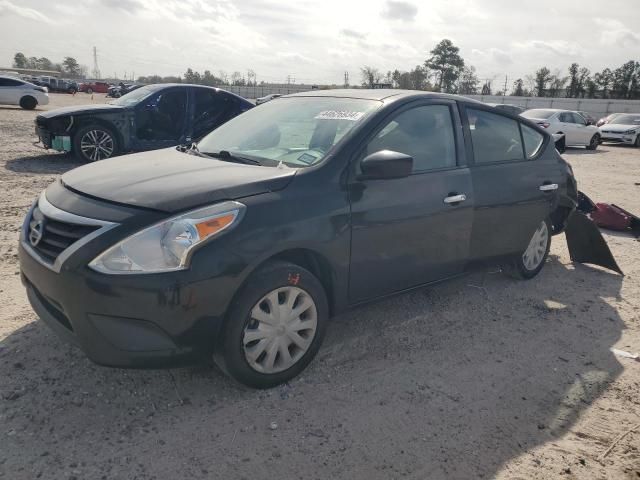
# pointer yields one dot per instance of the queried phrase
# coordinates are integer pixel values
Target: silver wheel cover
(96, 145)
(280, 330)
(534, 254)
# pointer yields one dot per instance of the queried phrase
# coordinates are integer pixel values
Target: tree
(370, 76)
(518, 88)
(604, 81)
(556, 84)
(583, 78)
(542, 78)
(486, 88)
(573, 80)
(468, 83)
(43, 63)
(236, 79)
(191, 77)
(19, 60)
(71, 66)
(446, 61)
(626, 79)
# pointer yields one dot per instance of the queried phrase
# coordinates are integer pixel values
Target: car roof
(381, 94)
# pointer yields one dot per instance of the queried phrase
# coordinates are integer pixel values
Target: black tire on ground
(89, 90)
(595, 141)
(72, 91)
(517, 267)
(28, 102)
(230, 349)
(87, 155)
(637, 142)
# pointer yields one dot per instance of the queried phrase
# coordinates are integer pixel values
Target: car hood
(82, 110)
(617, 128)
(171, 181)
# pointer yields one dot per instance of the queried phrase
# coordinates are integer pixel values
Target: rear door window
(495, 138)
(211, 108)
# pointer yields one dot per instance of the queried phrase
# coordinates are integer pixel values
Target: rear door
(569, 128)
(403, 232)
(210, 109)
(582, 131)
(515, 182)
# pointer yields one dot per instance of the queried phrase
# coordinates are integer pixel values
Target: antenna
(96, 69)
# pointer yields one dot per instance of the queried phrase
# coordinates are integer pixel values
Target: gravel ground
(482, 377)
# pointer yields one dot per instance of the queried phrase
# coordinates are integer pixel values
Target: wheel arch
(81, 122)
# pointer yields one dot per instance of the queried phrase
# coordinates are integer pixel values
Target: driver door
(407, 231)
(161, 120)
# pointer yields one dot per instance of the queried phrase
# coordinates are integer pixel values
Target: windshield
(134, 97)
(539, 113)
(297, 131)
(626, 120)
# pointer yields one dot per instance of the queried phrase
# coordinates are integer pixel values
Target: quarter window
(495, 138)
(10, 82)
(532, 140)
(425, 133)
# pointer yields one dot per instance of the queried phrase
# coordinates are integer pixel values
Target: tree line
(446, 71)
(206, 78)
(69, 66)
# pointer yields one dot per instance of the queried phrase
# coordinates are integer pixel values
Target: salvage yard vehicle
(148, 118)
(14, 91)
(57, 85)
(94, 87)
(571, 124)
(267, 98)
(622, 129)
(513, 109)
(244, 245)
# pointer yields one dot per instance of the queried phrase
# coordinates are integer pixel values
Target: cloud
(352, 33)
(7, 9)
(615, 33)
(131, 6)
(496, 54)
(560, 48)
(399, 10)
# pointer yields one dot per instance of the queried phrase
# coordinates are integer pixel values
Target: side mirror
(589, 122)
(386, 164)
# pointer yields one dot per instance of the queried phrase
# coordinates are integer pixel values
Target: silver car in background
(267, 98)
(570, 123)
(623, 128)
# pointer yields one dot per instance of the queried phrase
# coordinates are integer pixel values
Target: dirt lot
(482, 377)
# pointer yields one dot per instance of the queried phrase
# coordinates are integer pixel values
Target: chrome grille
(49, 237)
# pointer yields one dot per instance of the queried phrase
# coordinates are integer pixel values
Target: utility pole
(346, 79)
(96, 70)
(504, 91)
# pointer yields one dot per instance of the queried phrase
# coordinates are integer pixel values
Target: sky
(317, 41)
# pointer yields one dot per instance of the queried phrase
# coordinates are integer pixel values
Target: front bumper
(617, 138)
(129, 321)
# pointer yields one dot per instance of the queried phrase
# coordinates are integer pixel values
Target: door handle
(455, 198)
(548, 187)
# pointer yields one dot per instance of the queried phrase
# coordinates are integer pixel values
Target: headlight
(167, 246)
(630, 132)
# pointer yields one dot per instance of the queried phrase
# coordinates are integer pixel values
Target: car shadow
(46, 163)
(583, 151)
(446, 382)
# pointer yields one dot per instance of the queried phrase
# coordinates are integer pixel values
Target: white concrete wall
(595, 106)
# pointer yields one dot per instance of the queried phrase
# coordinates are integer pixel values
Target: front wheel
(637, 142)
(595, 141)
(28, 102)
(95, 142)
(89, 91)
(528, 264)
(274, 327)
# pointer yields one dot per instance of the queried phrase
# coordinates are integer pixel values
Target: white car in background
(623, 128)
(570, 123)
(267, 98)
(14, 91)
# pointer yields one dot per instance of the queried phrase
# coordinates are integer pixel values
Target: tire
(637, 142)
(529, 263)
(94, 134)
(595, 141)
(28, 102)
(89, 91)
(72, 91)
(244, 349)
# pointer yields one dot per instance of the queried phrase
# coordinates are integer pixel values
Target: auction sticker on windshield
(339, 115)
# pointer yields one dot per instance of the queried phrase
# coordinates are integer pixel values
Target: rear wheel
(28, 102)
(274, 327)
(95, 142)
(595, 141)
(530, 262)
(89, 90)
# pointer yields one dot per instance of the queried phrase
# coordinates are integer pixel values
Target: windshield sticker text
(339, 115)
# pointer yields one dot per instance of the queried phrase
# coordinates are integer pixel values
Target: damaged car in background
(622, 129)
(243, 246)
(148, 118)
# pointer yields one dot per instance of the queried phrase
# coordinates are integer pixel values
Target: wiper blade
(229, 157)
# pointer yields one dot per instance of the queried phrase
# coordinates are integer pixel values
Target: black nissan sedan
(147, 118)
(243, 246)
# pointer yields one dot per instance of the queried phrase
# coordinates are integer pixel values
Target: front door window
(162, 116)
